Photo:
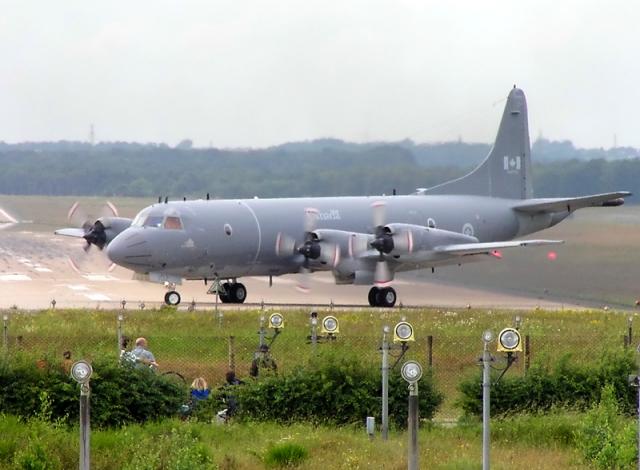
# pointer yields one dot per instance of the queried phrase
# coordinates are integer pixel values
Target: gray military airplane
(361, 240)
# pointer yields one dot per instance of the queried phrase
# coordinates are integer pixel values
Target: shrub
(604, 438)
(333, 389)
(565, 385)
(119, 395)
(285, 455)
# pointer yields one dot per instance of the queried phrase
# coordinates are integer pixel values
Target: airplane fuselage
(234, 238)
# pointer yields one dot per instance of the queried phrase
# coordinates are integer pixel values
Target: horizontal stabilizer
(536, 206)
(71, 232)
(488, 248)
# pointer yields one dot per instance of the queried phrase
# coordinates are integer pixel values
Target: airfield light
(314, 322)
(487, 336)
(81, 372)
(276, 321)
(509, 340)
(411, 371)
(120, 317)
(403, 332)
(5, 317)
(330, 325)
(314, 318)
(386, 329)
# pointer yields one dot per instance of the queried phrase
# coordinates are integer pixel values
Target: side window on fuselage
(154, 221)
(173, 223)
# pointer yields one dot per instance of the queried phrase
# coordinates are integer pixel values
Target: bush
(565, 385)
(604, 438)
(285, 455)
(119, 395)
(333, 389)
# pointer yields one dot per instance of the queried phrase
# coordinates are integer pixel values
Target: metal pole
(262, 332)
(486, 391)
(385, 385)
(85, 428)
(413, 426)
(120, 318)
(430, 351)
(314, 336)
(5, 333)
(232, 353)
(527, 353)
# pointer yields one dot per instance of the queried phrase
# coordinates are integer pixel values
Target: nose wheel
(172, 298)
(382, 297)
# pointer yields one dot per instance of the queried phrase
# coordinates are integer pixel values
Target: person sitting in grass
(144, 357)
(199, 390)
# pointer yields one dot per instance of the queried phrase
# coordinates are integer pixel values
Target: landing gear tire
(236, 293)
(172, 298)
(385, 297)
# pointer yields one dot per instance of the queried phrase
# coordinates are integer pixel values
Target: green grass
(197, 344)
(176, 444)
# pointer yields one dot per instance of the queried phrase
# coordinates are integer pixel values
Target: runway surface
(38, 267)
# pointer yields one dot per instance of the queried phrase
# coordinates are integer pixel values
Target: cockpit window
(140, 218)
(173, 223)
(154, 221)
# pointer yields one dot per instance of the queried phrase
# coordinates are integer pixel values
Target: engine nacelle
(410, 238)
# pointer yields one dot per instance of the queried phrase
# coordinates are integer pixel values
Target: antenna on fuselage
(159, 199)
(207, 196)
(166, 199)
(394, 191)
(184, 198)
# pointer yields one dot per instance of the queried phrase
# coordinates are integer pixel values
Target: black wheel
(386, 297)
(373, 296)
(172, 298)
(239, 293)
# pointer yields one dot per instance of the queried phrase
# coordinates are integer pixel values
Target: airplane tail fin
(506, 172)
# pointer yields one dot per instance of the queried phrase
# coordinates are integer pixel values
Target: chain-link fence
(203, 344)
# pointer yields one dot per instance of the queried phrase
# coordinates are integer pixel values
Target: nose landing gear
(382, 297)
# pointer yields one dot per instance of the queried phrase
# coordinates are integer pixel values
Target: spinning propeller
(312, 248)
(385, 241)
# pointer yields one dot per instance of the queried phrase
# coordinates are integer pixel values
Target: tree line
(319, 168)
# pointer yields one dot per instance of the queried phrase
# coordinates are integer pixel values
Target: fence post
(385, 382)
(527, 353)
(232, 353)
(119, 328)
(5, 333)
(430, 351)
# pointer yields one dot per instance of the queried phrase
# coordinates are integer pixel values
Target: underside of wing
(488, 248)
(536, 206)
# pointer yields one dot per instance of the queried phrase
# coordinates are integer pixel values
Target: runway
(38, 267)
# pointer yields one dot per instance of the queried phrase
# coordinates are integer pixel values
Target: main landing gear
(382, 297)
(233, 293)
(229, 293)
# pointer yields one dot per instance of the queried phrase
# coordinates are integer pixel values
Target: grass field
(196, 343)
(535, 443)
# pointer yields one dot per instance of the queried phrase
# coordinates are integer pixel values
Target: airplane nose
(128, 250)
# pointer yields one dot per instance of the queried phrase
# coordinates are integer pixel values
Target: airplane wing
(536, 206)
(488, 248)
(71, 232)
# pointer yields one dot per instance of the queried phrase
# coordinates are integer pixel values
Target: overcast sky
(256, 73)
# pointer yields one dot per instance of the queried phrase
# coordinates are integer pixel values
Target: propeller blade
(379, 210)
(403, 241)
(304, 280)
(77, 216)
(330, 254)
(285, 245)
(382, 275)
(358, 244)
(108, 210)
(310, 219)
